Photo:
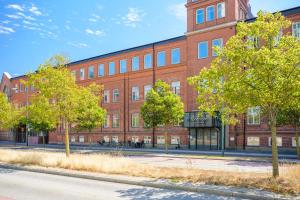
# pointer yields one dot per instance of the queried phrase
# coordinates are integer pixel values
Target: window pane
(106, 96)
(147, 61)
(200, 16)
(221, 10)
(210, 13)
(176, 87)
(135, 63)
(202, 50)
(135, 120)
(111, 68)
(176, 56)
(101, 70)
(216, 43)
(161, 59)
(147, 88)
(115, 95)
(123, 66)
(82, 74)
(135, 94)
(91, 72)
(116, 121)
(296, 29)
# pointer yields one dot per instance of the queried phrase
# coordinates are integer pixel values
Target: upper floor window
(203, 50)
(210, 13)
(147, 61)
(111, 68)
(135, 120)
(123, 66)
(200, 16)
(91, 72)
(216, 43)
(106, 122)
(135, 63)
(81, 73)
(73, 73)
(221, 10)
(135, 93)
(106, 96)
(147, 88)
(21, 87)
(296, 29)
(161, 58)
(115, 95)
(101, 70)
(116, 121)
(175, 56)
(253, 116)
(176, 87)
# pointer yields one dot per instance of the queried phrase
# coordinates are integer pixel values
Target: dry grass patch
(287, 183)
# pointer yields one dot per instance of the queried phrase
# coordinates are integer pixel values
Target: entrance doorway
(204, 138)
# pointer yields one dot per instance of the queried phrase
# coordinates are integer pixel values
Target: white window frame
(147, 88)
(214, 54)
(116, 95)
(175, 140)
(173, 51)
(223, 10)
(279, 141)
(207, 13)
(116, 120)
(106, 122)
(160, 140)
(89, 75)
(147, 139)
(165, 57)
(294, 141)
(202, 9)
(296, 29)
(135, 68)
(255, 141)
(145, 58)
(253, 115)
(110, 64)
(115, 139)
(101, 66)
(81, 138)
(135, 93)
(81, 74)
(135, 120)
(106, 139)
(176, 87)
(106, 93)
(203, 42)
(124, 61)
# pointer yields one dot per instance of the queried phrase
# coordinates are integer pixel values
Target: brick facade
(218, 28)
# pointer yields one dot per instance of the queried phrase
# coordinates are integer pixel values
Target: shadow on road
(4, 170)
(155, 194)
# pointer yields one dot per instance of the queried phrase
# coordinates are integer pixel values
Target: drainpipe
(153, 82)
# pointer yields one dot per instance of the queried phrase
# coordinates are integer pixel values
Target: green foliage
(162, 106)
(9, 115)
(253, 69)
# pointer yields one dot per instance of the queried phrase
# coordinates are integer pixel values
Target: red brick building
(128, 74)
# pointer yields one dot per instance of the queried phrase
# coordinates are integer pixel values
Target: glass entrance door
(204, 138)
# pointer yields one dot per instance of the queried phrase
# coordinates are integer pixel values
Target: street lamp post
(10, 97)
(27, 125)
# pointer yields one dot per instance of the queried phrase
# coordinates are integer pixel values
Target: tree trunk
(297, 141)
(274, 147)
(166, 141)
(67, 144)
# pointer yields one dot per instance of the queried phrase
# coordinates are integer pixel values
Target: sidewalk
(161, 183)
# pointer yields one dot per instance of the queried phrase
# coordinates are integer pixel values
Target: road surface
(30, 186)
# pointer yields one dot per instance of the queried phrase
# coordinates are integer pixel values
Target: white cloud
(13, 16)
(178, 10)
(77, 44)
(6, 30)
(93, 20)
(95, 32)
(26, 16)
(67, 27)
(16, 7)
(34, 10)
(5, 22)
(133, 17)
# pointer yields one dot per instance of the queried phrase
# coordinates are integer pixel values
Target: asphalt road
(28, 185)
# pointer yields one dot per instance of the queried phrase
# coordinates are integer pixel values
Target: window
(135, 63)
(106, 139)
(175, 56)
(161, 58)
(203, 50)
(147, 139)
(147, 61)
(116, 121)
(91, 72)
(106, 96)
(253, 141)
(134, 139)
(253, 116)
(296, 29)
(278, 37)
(123, 66)
(221, 10)
(135, 120)
(81, 139)
(253, 42)
(73, 74)
(16, 88)
(160, 139)
(115, 95)
(73, 139)
(210, 13)
(115, 139)
(200, 16)
(294, 141)
(111, 68)
(31, 88)
(279, 141)
(175, 140)
(216, 43)
(147, 88)
(81, 73)
(135, 94)
(176, 87)
(101, 70)
(106, 122)
(21, 87)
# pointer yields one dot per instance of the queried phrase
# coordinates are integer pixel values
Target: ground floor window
(115, 139)
(134, 139)
(294, 141)
(160, 139)
(81, 139)
(106, 139)
(175, 140)
(253, 141)
(279, 141)
(73, 139)
(147, 139)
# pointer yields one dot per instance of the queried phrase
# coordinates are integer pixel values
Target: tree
(255, 68)
(90, 114)
(162, 108)
(291, 116)
(9, 115)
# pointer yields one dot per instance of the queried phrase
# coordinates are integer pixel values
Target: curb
(151, 184)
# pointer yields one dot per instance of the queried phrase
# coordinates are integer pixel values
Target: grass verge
(287, 183)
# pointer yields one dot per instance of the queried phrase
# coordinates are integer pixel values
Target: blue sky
(32, 31)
